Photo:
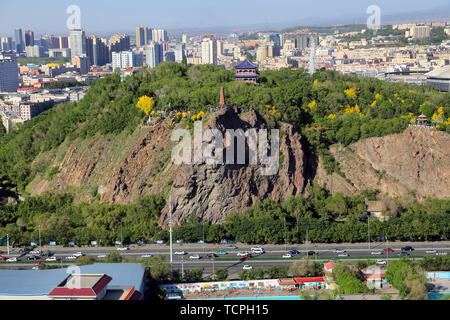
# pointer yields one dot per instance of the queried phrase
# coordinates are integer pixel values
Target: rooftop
(246, 65)
(42, 282)
(442, 73)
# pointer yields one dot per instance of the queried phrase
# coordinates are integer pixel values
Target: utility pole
(214, 270)
(40, 245)
(285, 244)
(368, 229)
(182, 267)
(7, 241)
(170, 230)
(121, 238)
(307, 243)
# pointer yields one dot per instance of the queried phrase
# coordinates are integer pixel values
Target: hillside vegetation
(351, 108)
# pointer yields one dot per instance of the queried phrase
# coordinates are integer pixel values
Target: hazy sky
(108, 15)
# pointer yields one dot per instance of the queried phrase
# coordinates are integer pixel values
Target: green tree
(221, 274)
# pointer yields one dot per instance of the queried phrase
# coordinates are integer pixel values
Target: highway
(272, 256)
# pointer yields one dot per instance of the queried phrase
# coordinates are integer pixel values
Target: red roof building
(81, 287)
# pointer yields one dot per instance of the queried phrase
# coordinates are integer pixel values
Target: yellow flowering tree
(146, 104)
(351, 93)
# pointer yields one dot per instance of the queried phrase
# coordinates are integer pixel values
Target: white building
(9, 75)
(209, 51)
(159, 35)
(154, 54)
(127, 59)
(77, 42)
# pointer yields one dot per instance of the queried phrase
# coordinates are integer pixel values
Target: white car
(430, 251)
(180, 252)
(247, 267)
(148, 255)
(194, 257)
(443, 253)
(101, 256)
(381, 262)
(287, 255)
(257, 250)
(374, 253)
(231, 247)
(71, 257)
(13, 259)
(241, 254)
(339, 250)
(123, 249)
(345, 254)
(51, 259)
(35, 252)
(78, 254)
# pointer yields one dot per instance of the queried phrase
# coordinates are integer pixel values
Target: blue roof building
(37, 284)
(246, 71)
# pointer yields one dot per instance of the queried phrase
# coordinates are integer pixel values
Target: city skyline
(103, 17)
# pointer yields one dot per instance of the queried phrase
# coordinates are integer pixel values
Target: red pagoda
(246, 71)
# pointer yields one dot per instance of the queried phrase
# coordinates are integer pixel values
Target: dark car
(33, 258)
(47, 254)
(311, 253)
(294, 252)
(211, 255)
(403, 253)
(408, 248)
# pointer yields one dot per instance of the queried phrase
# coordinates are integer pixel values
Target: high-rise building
(77, 42)
(81, 63)
(275, 38)
(127, 59)
(169, 56)
(180, 53)
(184, 38)
(233, 38)
(19, 40)
(159, 35)
(6, 44)
(9, 74)
(261, 54)
(219, 48)
(273, 50)
(49, 41)
(154, 54)
(63, 42)
(97, 51)
(34, 51)
(143, 36)
(302, 42)
(420, 32)
(209, 50)
(119, 42)
(29, 38)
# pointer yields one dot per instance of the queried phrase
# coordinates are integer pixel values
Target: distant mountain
(435, 14)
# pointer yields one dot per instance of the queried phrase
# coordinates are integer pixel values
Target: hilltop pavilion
(246, 71)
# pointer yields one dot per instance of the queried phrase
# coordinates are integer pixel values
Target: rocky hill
(416, 160)
(123, 168)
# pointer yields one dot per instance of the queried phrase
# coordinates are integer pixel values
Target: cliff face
(213, 191)
(417, 159)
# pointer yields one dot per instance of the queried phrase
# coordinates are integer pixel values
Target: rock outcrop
(416, 160)
(213, 191)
